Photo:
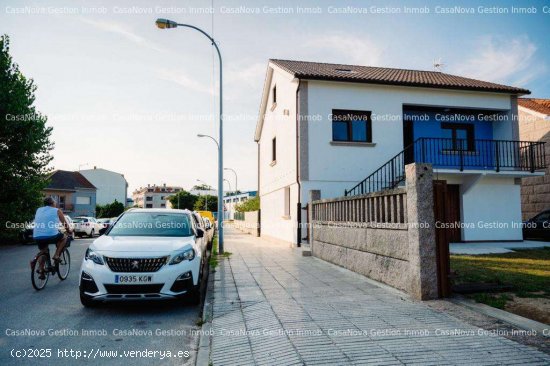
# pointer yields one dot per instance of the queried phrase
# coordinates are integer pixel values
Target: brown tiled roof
(389, 76)
(63, 179)
(537, 105)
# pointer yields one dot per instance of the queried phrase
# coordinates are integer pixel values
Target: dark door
(452, 206)
(408, 139)
(442, 237)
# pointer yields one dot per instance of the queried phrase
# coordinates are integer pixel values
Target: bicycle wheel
(64, 264)
(38, 283)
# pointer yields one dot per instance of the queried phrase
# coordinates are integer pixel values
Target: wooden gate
(442, 236)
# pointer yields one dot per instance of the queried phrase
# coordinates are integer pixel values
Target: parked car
(209, 231)
(27, 233)
(85, 225)
(209, 215)
(538, 227)
(148, 254)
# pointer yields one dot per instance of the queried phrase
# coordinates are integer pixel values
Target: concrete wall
(388, 236)
(250, 224)
(535, 192)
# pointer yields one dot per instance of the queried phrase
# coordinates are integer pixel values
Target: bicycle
(61, 267)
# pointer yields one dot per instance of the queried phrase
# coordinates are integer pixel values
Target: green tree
(183, 200)
(109, 210)
(24, 145)
(201, 187)
(200, 205)
(251, 204)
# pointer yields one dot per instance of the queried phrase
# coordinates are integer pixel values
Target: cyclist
(47, 222)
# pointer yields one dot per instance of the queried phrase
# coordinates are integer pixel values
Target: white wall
(336, 168)
(490, 208)
(110, 185)
(275, 177)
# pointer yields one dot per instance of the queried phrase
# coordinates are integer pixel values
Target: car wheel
(91, 233)
(87, 301)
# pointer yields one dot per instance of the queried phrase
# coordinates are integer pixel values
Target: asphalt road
(64, 332)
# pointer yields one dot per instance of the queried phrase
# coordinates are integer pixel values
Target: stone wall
(535, 191)
(377, 234)
(250, 224)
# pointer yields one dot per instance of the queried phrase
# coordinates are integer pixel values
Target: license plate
(133, 279)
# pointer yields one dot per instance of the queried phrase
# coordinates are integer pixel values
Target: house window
(62, 202)
(274, 95)
(460, 136)
(274, 149)
(148, 198)
(162, 205)
(149, 205)
(83, 200)
(351, 126)
(287, 202)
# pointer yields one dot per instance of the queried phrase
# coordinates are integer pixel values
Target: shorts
(44, 241)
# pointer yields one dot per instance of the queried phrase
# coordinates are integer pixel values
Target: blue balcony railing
(455, 154)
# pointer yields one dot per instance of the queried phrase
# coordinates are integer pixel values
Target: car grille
(133, 289)
(135, 264)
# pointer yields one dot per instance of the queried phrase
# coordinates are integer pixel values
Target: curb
(513, 319)
(205, 340)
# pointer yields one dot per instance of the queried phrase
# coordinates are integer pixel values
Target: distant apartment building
(534, 125)
(75, 195)
(110, 185)
(154, 196)
(230, 203)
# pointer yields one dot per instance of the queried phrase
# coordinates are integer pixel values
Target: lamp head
(166, 24)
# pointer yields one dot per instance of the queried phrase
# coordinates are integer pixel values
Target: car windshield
(76, 220)
(152, 224)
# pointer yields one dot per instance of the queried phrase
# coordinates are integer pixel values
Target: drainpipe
(299, 205)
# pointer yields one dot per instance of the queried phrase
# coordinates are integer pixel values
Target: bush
(251, 204)
(109, 210)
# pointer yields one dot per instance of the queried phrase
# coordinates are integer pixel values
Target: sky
(126, 96)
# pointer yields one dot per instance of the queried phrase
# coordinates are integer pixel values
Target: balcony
(462, 154)
(456, 155)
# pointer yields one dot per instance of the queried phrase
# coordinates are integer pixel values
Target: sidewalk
(274, 307)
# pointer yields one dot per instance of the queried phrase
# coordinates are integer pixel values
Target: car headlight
(93, 256)
(188, 254)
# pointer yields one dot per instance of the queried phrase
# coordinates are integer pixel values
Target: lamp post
(167, 24)
(206, 204)
(234, 172)
(229, 184)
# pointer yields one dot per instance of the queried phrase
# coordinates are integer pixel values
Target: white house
(329, 127)
(110, 185)
(154, 196)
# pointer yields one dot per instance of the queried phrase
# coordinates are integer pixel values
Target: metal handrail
(455, 154)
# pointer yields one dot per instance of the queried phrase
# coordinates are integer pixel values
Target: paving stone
(272, 306)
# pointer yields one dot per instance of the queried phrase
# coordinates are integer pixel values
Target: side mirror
(200, 233)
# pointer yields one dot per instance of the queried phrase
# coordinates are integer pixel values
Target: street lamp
(210, 137)
(234, 172)
(167, 24)
(229, 184)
